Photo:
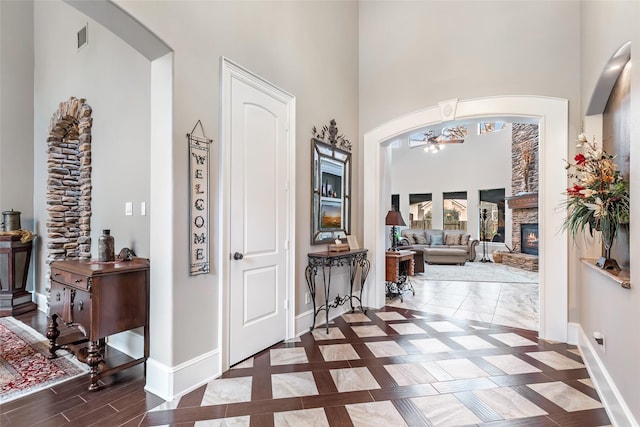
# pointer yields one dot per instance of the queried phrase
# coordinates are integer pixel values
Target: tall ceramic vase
(605, 261)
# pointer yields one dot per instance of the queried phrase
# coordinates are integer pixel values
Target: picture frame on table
(352, 241)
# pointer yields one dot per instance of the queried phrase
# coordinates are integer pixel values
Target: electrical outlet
(128, 208)
(307, 298)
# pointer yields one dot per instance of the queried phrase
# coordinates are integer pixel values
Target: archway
(69, 181)
(552, 115)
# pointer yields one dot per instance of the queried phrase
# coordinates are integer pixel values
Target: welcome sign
(199, 202)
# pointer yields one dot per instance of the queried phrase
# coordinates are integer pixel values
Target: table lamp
(394, 219)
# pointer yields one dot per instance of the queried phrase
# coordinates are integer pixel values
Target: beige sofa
(440, 246)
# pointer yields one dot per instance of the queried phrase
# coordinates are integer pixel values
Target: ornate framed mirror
(330, 185)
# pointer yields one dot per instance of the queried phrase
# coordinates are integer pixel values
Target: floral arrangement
(599, 198)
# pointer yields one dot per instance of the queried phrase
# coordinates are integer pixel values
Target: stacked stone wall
(524, 138)
(69, 182)
(523, 261)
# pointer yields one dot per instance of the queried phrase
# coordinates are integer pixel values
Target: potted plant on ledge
(598, 199)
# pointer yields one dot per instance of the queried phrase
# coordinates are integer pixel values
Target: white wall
(482, 162)
(16, 109)
(602, 305)
(16, 117)
(115, 81)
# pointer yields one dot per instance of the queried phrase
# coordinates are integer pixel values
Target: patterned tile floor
(399, 367)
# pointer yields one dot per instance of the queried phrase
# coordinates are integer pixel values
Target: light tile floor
(502, 303)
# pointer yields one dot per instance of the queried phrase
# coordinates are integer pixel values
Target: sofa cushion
(451, 239)
(421, 239)
(436, 240)
(433, 232)
(464, 239)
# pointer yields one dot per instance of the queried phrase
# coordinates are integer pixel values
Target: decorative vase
(106, 245)
(605, 261)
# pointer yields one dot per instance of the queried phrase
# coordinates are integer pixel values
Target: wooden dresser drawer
(70, 279)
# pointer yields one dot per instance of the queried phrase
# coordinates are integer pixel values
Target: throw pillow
(421, 239)
(436, 239)
(410, 238)
(451, 239)
(464, 239)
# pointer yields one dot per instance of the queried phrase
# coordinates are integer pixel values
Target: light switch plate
(128, 208)
(143, 208)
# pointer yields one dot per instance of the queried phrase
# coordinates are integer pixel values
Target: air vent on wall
(83, 37)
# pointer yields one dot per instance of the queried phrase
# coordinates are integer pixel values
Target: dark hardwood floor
(122, 402)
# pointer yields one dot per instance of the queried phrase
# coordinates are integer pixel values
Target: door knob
(238, 256)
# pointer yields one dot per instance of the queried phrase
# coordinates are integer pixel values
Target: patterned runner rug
(24, 367)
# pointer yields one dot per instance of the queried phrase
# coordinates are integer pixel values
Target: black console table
(325, 261)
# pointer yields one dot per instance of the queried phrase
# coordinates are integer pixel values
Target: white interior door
(258, 219)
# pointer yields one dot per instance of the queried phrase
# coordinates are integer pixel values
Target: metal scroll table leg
(365, 266)
(327, 289)
(310, 275)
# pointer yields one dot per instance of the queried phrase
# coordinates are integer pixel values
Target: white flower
(582, 138)
(598, 208)
(587, 192)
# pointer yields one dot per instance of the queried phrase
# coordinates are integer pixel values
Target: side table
(399, 265)
(324, 261)
(14, 267)
(99, 299)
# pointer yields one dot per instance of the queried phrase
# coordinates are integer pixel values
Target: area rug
(24, 366)
(478, 272)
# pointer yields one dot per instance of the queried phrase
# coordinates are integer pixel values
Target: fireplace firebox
(529, 239)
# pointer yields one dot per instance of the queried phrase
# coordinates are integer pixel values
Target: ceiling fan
(434, 143)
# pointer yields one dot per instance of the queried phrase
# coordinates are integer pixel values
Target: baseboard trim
(42, 301)
(129, 342)
(617, 409)
(169, 383)
(573, 333)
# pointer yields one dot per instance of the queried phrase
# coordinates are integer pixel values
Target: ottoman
(445, 256)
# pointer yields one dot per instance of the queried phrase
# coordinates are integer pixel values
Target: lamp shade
(394, 218)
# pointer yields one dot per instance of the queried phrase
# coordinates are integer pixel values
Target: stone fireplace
(524, 202)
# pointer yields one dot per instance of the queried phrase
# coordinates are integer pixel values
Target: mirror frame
(330, 188)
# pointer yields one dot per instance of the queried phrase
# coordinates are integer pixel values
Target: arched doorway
(69, 181)
(552, 115)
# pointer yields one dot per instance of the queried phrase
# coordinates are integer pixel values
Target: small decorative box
(338, 247)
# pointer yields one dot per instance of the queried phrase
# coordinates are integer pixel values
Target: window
(491, 215)
(454, 211)
(420, 206)
(489, 127)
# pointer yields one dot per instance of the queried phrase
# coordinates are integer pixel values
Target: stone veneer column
(523, 136)
(69, 181)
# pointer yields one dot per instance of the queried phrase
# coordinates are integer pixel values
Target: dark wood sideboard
(99, 299)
